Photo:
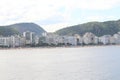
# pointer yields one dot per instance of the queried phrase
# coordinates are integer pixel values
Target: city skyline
(56, 14)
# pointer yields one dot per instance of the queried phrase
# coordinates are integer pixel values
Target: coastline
(25, 48)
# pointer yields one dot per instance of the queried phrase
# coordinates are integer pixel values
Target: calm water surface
(94, 63)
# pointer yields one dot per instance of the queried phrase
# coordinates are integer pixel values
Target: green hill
(7, 31)
(98, 28)
(20, 28)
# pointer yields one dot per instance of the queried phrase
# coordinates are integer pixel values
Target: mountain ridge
(98, 28)
(19, 28)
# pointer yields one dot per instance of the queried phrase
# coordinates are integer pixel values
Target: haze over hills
(98, 28)
(19, 28)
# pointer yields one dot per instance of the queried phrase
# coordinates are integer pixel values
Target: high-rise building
(29, 37)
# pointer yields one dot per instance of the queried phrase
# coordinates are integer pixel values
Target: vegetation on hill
(20, 28)
(98, 28)
(7, 31)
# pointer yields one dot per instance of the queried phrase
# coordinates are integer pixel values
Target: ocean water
(87, 63)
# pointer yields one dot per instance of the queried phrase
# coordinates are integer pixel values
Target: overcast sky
(55, 14)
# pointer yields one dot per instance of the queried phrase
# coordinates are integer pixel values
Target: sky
(53, 15)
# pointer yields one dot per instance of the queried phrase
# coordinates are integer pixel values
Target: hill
(20, 28)
(98, 28)
(7, 31)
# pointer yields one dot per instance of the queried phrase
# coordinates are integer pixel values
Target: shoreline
(88, 46)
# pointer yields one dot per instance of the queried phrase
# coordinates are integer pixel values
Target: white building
(17, 41)
(89, 38)
(112, 40)
(117, 38)
(4, 41)
(51, 38)
(12, 41)
(96, 40)
(36, 40)
(60, 39)
(42, 40)
(79, 39)
(105, 39)
(70, 40)
(30, 37)
(44, 34)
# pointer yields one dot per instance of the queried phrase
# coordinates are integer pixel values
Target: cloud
(55, 27)
(87, 4)
(27, 10)
(100, 18)
(96, 4)
(42, 11)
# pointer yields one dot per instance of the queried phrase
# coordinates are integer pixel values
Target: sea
(73, 63)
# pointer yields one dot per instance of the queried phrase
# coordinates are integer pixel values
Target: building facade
(29, 37)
